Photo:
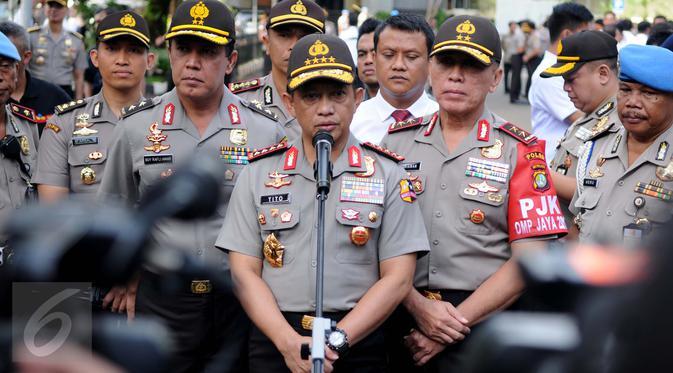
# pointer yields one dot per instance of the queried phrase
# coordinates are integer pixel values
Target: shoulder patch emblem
(383, 151)
(77, 35)
(518, 133)
(605, 109)
(245, 85)
(33, 29)
(140, 106)
(258, 154)
(68, 106)
(259, 109)
(405, 125)
(25, 113)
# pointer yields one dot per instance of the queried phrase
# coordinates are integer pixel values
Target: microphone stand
(320, 325)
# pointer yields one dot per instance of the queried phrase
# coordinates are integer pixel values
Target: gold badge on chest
(494, 151)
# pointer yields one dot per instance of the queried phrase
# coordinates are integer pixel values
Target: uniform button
(438, 214)
(621, 182)
(443, 186)
(313, 263)
(434, 270)
(199, 252)
(11, 179)
(583, 203)
(435, 242)
(313, 304)
(608, 213)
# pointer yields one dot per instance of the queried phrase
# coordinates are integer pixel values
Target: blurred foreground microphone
(323, 141)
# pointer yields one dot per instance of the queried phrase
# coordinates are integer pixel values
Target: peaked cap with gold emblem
(301, 12)
(207, 19)
(124, 23)
(320, 56)
(577, 49)
(473, 35)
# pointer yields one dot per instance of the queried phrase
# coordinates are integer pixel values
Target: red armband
(533, 209)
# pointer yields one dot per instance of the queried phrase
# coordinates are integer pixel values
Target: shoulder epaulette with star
(68, 106)
(77, 35)
(605, 109)
(245, 85)
(407, 124)
(33, 29)
(25, 113)
(260, 109)
(258, 154)
(383, 151)
(140, 106)
(518, 133)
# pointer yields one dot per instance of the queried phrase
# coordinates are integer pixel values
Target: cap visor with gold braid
(305, 13)
(109, 27)
(473, 35)
(320, 56)
(207, 19)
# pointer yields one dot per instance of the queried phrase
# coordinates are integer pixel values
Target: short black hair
(368, 26)
(567, 16)
(18, 34)
(660, 16)
(625, 25)
(600, 22)
(409, 23)
(610, 30)
(659, 33)
(352, 19)
(643, 26)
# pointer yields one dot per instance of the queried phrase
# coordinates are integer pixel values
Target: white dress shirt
(372, 118)
(549, 106)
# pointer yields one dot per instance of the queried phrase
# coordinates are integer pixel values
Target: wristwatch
(338, 341)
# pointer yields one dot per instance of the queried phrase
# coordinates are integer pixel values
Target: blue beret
(648, 65)
(7, 48)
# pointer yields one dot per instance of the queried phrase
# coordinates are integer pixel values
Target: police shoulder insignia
(33, 29)
(245, 85)
(259, 109)
(25, 113)
(141, 105)
(406, 124)
(383, 151)
(605, 109)
(258, 154)
(77, 35)
(518, 133)
(68, 106)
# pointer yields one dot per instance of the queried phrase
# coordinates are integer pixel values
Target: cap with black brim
(473, 35)
(124, 23)
(298, 12)
(320, 56)
(206, 19)
(576, 50)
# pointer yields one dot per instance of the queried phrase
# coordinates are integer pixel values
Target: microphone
(323, 141)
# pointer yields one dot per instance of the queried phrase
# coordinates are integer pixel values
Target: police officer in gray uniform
(78, 136)
(373, 228)
(289, 20)
(18, 144)
(625, 180)
(485, 195)
(59, 56)
(588, 64)
(200, 115)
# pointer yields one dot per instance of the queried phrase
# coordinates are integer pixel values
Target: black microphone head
(324, 136)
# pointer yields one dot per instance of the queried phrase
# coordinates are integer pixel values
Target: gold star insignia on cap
(128, 21)
(298, 8)
(199, 12)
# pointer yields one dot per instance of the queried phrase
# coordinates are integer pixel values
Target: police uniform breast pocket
(359, 225)
(481, 207)
(86, 166)
(652, 202)
(154, 168)
(277, 223)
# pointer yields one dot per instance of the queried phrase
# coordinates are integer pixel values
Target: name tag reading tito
(274, 199)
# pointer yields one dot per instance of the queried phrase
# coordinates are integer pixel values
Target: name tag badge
(157, 159)
(275, 199)
(590, 182)
(633, 236)
(412, 166)
(84, 140)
